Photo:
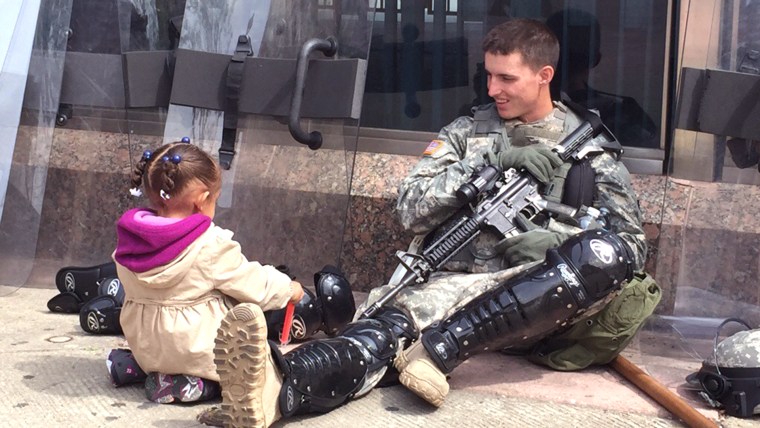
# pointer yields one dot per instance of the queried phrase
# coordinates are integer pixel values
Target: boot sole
(240, 356)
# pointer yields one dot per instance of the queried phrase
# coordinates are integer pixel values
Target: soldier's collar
(558, 113)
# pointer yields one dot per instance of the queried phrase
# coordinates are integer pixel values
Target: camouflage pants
(442, 294)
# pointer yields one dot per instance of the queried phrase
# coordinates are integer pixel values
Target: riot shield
(287, 203)
(148, 37)
(31, 65)
(92, 131)
(706, 257)
(717, 136)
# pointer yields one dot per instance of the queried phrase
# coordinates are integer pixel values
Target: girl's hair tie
(175, 159)
(186, 140)
(147, 155)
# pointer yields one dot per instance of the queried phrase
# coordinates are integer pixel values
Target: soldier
(517, 131)
(478, 302)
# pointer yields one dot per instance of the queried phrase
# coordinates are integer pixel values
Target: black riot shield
(32, 47)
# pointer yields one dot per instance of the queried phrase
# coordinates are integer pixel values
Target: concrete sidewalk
(55, 376)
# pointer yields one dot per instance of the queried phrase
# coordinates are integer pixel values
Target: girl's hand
(297, 290)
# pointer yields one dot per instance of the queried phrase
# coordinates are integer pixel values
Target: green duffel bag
(600, 338)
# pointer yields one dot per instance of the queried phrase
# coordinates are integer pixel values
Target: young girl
(181, 274)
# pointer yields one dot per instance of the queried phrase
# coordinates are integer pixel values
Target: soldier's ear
(545, 74)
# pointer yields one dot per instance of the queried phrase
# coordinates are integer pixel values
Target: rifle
(490, 198)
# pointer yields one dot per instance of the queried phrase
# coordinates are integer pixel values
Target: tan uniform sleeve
(248, 281)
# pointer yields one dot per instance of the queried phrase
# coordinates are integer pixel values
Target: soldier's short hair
(533, 39)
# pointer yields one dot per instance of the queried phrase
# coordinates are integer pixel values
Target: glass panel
(145, 26)
(706, 255)
(286, 203)
(80, 149)
(149, 25)
(721, 35)
(87, 147)
(32, 65)
(426, 62)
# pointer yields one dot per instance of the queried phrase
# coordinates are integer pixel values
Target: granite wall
(702, 236)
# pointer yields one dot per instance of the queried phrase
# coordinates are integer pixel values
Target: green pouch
(600, 338)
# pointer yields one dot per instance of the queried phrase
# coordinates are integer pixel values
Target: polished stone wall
(702, 236)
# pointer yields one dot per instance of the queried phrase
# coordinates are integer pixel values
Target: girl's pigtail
(169, 167)
(138, 172)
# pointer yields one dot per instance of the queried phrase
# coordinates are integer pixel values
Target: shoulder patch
(433, 147)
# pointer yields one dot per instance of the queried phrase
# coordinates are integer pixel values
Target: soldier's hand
(297, 291)
(529, 246)
(539, 160)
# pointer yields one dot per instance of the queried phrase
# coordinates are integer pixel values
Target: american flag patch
(432, 147)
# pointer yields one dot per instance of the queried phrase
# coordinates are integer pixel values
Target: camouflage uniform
(427, 198)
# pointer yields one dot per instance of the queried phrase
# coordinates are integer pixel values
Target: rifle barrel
(373, 308)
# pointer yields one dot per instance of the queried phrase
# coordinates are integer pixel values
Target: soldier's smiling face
(518, 89)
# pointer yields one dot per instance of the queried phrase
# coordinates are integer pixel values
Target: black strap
(578, 109)
(232, 91)
(612, 144)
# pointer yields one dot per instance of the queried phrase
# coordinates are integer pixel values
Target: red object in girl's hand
(285, 335)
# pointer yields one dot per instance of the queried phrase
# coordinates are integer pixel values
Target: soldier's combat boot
(576, 280)
(421, 375)
(249, 379)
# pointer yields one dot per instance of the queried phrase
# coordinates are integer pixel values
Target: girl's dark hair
(172, 167)
(534, 40)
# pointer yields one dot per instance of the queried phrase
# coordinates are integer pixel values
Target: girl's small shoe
(123, 368)
(158, 388)
(164, 389)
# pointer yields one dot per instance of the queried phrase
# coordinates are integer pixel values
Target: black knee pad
(320, 375)
(66, 302)
(401, 323)
(337, 299)
(83, 281)
(111, 286)
(377, 338)
(330, 310)
(576, 279)
(324, 373)
(101, 316)
(307, 319)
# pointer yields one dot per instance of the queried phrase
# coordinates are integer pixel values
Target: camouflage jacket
(427, 195)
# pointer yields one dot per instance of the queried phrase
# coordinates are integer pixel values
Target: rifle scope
(482, 179)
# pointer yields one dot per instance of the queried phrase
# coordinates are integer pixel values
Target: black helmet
(731, 377)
